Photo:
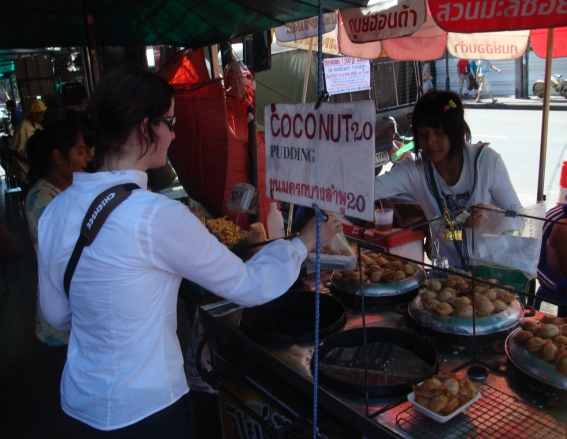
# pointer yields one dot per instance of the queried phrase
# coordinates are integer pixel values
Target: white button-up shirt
(124, 361)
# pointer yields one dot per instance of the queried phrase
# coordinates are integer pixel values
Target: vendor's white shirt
(492, 186)
(124, 362)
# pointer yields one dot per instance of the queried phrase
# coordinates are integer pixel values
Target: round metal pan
(291, 318)
(354, 339)
(372, 301)
(380, 289)
(532, 365)
(495, 323)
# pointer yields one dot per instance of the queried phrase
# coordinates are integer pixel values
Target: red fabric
(538, 38)
(210, 150)
(465, 16)
(462, 66)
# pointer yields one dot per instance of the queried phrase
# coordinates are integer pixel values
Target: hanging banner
(323, 156)
(538, 38)
(303, 29)
(390, 19)
(488, 45)
(346, 74)
(329, 44)
(428, 43)
(348, 48)
(466, 16)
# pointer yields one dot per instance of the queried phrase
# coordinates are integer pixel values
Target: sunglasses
(170, 121)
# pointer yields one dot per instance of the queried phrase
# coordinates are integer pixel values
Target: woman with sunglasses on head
(124, 375)
(449, 171)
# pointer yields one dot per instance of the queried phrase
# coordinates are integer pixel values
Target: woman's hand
(308, 234)
(477, 215)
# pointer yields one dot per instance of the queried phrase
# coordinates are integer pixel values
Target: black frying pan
(388, 340)
(291, 318)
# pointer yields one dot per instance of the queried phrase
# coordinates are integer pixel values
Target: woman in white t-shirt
(448, 171)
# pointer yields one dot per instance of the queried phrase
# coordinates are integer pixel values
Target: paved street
(516, 135)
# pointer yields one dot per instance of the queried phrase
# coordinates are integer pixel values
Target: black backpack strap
(96, 215)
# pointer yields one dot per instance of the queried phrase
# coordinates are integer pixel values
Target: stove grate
(495, 415)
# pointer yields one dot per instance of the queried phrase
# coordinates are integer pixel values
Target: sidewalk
(557, 103)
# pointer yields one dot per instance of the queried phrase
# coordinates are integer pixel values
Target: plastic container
(275, 222)
(437, 417)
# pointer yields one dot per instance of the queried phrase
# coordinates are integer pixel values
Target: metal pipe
(545, 115)
(303, 98)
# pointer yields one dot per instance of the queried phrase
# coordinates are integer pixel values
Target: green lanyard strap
(458, 244)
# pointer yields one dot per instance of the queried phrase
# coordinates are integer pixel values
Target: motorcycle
(560, 86)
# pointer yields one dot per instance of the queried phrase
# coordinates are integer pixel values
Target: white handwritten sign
(346, 74)
(323, 156)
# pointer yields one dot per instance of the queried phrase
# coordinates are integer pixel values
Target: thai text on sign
(494, 15)
(323, 156)
(346, 74)
(384, 20)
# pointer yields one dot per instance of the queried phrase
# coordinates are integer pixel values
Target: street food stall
(407, 341)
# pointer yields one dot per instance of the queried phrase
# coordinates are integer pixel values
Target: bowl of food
(444, 396)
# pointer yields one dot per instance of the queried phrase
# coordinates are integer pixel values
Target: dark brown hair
(57, 135)
(434, 111)
(123, 98)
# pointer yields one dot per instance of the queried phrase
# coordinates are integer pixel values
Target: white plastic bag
(336, 254)
(194, 380)
(510, 242)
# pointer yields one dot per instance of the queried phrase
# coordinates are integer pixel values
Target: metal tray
(492, 324)
(532, 365)
(380, 289)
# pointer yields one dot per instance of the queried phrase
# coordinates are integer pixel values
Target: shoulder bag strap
(96, 215)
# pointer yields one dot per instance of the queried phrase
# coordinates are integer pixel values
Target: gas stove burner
(291, 318)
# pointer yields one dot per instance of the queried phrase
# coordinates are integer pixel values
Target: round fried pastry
(432, 284)
(460, 301)
(438, 403)
(529, 325)
(536, 344)
(550, 319)
(443, 309)
(499, 306)
(464, 311)
(548, 330)
(446, 295)
(523, 335)
(549, 351)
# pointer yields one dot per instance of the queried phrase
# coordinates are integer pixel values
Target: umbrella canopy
(187, 23)
(538, 38)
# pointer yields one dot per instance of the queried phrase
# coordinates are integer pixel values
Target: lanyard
(458, 244)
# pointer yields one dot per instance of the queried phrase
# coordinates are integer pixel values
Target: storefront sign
(488, 45)
(323, 156)
(299, 30)
(493, 15)
(346, 74)
(384, 20)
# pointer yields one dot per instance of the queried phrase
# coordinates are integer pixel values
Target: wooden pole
(545, 116)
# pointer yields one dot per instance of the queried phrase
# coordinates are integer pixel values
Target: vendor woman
(124, 375)
(448, 171)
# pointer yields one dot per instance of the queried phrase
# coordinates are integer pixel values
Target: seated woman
(552, 267)
(448, 171)
(54, 154)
